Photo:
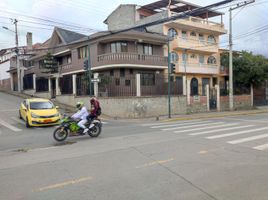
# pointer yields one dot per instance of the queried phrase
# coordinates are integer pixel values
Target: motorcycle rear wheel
(60, 134)
(95, 131)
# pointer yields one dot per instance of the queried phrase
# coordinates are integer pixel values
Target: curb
(213, 116)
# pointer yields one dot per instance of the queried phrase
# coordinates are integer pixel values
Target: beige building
(194, 48)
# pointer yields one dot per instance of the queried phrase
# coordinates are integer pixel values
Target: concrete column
(138, 85)
(207, 92)
(11, 82)
(184, 84)
(211, 82)
(74, 84)
(251, 95)
(34, 82)
(57, 86)
(49, 85)
(188, 92)
(21, 78)
(96, 85)
(218, 97)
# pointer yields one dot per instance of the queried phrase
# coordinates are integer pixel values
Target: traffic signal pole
(169, 70)
(89, 70)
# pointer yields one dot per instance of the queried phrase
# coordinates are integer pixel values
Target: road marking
(104, 122)
(163, 123)
(18, 120)
(236, 133)
(219, 130)
(248, 139)
(9, 126)
(261, 147)
(60, 185)
(155, 163)
(200, 127)
(177, 125)
(203, 128)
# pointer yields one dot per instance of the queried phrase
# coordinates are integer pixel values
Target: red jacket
(94, 108)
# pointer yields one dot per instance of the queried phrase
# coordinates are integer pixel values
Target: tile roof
(69, 36)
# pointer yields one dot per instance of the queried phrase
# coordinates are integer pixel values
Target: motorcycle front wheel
(95, 131)
(60, 134)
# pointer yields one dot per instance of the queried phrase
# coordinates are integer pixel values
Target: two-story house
(194, 45)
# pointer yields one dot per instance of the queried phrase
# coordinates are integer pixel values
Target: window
(111, 72)
(201, 38)
(184, 57)
(172, 33)
(127, 82)
(130, 71)
(193, 56)
(193, 34)
(69, 59)
(82, 52)
(66, 84)
(184, 35)
(147, 49)
(174, 57)
(211, 60)
(205, 81)
(211, 39)
(117, 47)
(117, 81)
(147, 79)
(41, 63)
(122, 72)
(60, 60)
(41, 84)
(201, 59)
(28, 81)
(194, 87)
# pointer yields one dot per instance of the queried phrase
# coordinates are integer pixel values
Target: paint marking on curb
(63, 184)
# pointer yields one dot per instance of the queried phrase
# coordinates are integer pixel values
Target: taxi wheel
(27, 123)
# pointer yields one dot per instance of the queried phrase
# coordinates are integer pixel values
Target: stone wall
(241, 102)
(197, 104)
(5, 84)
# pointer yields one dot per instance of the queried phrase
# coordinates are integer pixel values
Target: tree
(49, 64)
(247, 68)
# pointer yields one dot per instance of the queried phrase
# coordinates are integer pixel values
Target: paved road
(209, 159)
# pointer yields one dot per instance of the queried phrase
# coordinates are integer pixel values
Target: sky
(87, 16)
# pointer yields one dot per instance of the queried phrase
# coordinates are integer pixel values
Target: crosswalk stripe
(236, 133)
(179, 125)
(261, 147)
(9, 126)
(219, 130)
(200, 127)
(248, 139)
(18, 120)
(164, 123)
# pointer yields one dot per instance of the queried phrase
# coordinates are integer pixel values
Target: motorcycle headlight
(34, 115)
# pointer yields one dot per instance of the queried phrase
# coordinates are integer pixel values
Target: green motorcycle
(69, 127)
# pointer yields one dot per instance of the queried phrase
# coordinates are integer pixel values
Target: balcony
(199, 23)
(131, 58)
(180, 43)
(197, 68)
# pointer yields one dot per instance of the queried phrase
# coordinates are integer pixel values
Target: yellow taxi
(39, 112)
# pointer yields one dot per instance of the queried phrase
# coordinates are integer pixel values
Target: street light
(17, 52)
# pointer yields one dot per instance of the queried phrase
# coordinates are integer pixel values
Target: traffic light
(86, 65)
(172, 68)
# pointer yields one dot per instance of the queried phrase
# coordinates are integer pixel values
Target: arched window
(211, 39)
(174, 57)
(211, 60)
(172, 33)
(193, 34)
(194, 87)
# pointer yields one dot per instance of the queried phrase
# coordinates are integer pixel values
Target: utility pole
(231, 97)
(169, 70)
(17, 53)
(89, 70)
(185, 74)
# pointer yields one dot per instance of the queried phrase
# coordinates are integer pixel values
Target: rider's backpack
(98, 111)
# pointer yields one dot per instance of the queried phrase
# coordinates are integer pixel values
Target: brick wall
(240, 102)
(5, 84)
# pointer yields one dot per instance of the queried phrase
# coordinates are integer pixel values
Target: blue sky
(91, 14)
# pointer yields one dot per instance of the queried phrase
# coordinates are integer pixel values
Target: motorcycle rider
(81, 114)
(95, 105)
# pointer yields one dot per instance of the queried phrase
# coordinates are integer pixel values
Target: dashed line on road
(9, 126)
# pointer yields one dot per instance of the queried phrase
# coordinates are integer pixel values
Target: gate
(213, 98)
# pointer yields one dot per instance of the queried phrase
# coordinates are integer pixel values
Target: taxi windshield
(41, 105)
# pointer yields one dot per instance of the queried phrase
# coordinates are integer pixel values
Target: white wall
(3, 70)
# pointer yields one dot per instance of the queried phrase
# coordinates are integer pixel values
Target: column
(96, 84)
(188, 92)
(138, 85)
(34, 82)
(74, 84)
(184, 84)
(251, 95)
(11, 82)
(207, 92)
(49, 85)
(57, 86)
(218, 97)
(211, 82)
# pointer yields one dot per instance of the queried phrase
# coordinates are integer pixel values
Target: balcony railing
(198, 68)
(131, 58)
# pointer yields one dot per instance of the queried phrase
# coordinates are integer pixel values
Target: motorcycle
(69, 127)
